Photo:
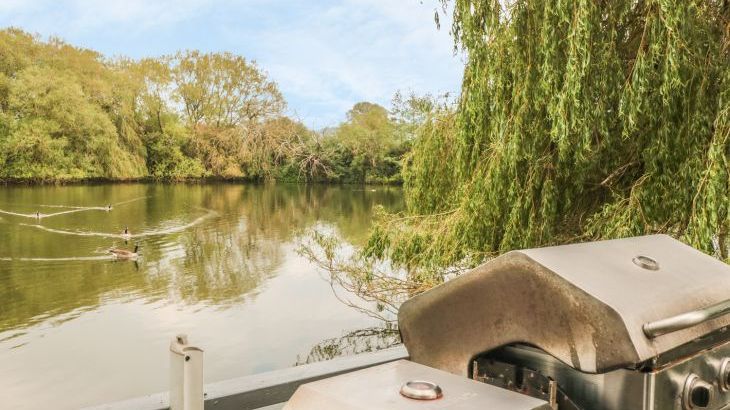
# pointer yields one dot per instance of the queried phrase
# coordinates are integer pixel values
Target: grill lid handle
(685, 320)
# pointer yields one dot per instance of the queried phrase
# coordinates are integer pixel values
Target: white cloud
(325, 55)
(358, 50)
(74, 17)
(136, 14)
(18, 6)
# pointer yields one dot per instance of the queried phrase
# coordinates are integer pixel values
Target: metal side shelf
(264, 391)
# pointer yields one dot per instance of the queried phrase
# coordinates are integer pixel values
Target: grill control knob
(724, 375)
(698, 394)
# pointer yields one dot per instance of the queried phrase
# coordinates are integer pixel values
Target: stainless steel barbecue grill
(638, 323)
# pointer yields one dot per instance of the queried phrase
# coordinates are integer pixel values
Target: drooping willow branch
(577, 120)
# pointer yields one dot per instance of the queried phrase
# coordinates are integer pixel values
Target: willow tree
(577, 119)
(65, 113)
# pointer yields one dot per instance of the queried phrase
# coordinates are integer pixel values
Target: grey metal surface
(379, 388)
(685, 320)
(687, 280)
(266, 389)
(584, 304)
(623, 389)
(616, 390)
(521, 378)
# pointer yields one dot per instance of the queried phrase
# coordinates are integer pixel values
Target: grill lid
(595, 306)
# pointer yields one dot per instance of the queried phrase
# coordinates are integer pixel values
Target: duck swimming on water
(125, 254)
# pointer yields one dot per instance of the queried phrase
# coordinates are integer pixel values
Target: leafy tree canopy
(67, 113)
(577, 119)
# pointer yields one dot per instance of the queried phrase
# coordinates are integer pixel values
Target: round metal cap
(421, 390)
(646, 262)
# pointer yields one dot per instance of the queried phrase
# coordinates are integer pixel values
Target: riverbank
(69, 115)
(204, 180)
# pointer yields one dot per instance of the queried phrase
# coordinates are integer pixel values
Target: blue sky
(325, 55)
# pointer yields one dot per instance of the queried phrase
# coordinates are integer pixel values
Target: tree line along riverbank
(69, 114)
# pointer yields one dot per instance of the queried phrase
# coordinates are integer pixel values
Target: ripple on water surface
(218, 262)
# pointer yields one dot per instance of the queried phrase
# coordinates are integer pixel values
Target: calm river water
(218, 262)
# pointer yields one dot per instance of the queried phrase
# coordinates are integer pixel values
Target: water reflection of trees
(358, 341)
(31, 295)
(218, 262)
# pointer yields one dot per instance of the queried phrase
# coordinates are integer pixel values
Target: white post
(186, 375)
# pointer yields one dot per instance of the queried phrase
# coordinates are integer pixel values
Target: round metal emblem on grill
(646, 262)
(421, 390)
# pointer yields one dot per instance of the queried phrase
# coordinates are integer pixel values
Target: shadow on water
(354, 342)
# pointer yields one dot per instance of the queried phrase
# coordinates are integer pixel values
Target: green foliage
(30, 152)
(430, 179)
(166, 159)
(373, 142)
(368, 134)
(67, 113)
(576, 119)
(222, 89)
(63, 113)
